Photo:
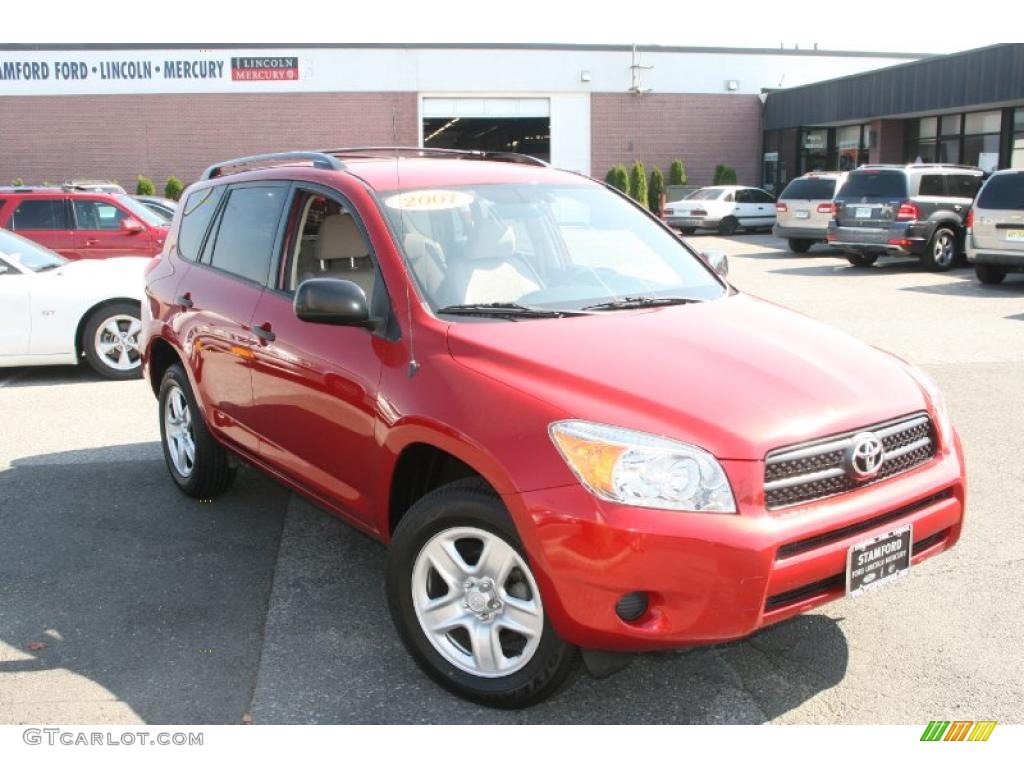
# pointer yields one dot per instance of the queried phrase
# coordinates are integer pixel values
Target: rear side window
(245, 237)
(196, 215)
(932, 185)
(963, 185)
(39, 214)
(883, 184)
(1003, 193)
(809, 189)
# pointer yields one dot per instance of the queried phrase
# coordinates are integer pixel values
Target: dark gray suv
(912, 210)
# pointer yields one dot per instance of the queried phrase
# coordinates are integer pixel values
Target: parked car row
(938, 213)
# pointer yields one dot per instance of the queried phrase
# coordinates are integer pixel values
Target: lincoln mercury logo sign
(863, 459)
(265, 68)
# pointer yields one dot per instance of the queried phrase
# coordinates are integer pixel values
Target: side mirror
(331, 302)
(718, 261)
(131, 226)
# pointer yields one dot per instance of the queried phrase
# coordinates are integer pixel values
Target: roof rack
(466, 154)
(920, 165)
(321, 160)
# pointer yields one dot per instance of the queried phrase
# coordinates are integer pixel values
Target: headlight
(642, 470)
(927, 383)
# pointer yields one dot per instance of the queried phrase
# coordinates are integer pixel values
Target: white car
(723, 208)
(56, 312)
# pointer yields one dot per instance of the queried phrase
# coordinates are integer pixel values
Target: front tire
(110, 341)
(465, 602)
(989, 274)
(800, 246)
(198, 464)
(942, 251)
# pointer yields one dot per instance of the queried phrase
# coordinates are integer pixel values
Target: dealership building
(114, 112)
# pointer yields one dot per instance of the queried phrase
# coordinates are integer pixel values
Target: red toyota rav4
(82, 224)
(569, 427)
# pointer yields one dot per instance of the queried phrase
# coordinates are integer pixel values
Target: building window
(814, 150)
(852, 146)
(981, 139)
(1017, 147)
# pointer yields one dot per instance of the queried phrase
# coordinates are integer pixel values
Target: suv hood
(737, 376)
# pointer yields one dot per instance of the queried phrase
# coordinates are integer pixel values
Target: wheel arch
(427, 458)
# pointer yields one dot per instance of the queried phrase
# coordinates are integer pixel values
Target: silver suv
(995, 236)
(805, 208)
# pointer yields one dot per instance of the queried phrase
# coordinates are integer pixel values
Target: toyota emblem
(863, 459)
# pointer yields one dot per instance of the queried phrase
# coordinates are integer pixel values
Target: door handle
(92, 241)
(185, 301)
(263, 331)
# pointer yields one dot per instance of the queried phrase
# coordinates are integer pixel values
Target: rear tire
(862, 259)
(198, 464)
(800, 246)
(688, 230)
(110, 341)
(989, 274)
(728, 226)
(943, 251)
(432, 572)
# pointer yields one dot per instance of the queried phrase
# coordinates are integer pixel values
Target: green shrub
(144, 186)
(638, 183)
(655, 190)
(724, 174)
(677, 174)
(18, 182)
(174, 188)
(618, 177)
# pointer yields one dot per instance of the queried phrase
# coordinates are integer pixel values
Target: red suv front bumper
(713, 577)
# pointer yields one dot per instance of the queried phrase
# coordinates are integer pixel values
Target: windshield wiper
(635, 302)
(506, 309)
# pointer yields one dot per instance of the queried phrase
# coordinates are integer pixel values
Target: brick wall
(701, 129)
(53, 138)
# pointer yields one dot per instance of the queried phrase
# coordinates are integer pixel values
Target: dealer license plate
(802, 214)
(1015, 235)
(878, 561)
(863, 213)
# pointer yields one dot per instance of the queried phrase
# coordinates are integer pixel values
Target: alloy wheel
(477, 602)
(116, 343)
(178, 432)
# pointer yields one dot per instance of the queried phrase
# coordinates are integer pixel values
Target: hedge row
(143, 186)
(648, 192)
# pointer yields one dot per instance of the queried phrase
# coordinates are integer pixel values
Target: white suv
(724, 208)
(805, 208)
(995, 227)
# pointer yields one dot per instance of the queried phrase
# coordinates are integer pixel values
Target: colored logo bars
(958, 730)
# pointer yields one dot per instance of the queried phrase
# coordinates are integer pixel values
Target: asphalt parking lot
(121, 601)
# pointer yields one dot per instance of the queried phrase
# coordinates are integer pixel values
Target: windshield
(547, 246)
(28, 254)
(141, 212)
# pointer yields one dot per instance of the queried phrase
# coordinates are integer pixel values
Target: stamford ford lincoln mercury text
(571, 430)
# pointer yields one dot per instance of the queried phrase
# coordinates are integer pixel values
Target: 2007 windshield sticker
(429, 200)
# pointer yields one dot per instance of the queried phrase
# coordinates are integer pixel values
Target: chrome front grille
(800, 473)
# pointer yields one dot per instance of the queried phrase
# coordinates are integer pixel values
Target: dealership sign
(93, 72)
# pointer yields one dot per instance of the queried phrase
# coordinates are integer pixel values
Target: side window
(963, 185)
(744, 196)
(932, 185)
(245, 236)
(39, 214)
(729, 198)
(326, 242)
(197, 213)
(760, 196)
(98, 215)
